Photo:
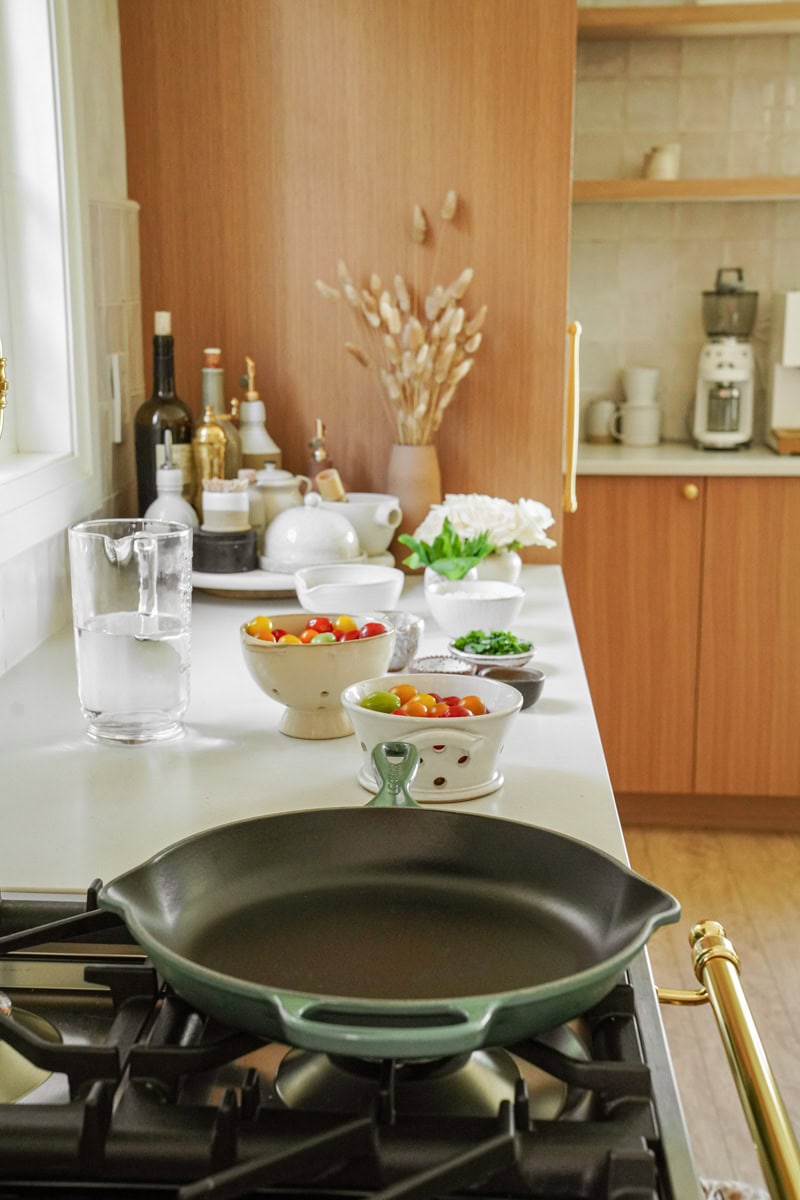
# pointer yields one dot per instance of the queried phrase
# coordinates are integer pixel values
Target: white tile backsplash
(733, 104)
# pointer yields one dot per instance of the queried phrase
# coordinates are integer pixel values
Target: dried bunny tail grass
(352, 295)
(457, 322)
(391, 385)
(444, 362)
(401, 292)
(475, 323)
(357, 353)
(409, 364)
(390, 314)
(471, 345)
(413, 334)
(458, 373)
(325, 290)
(449, 206)
(391, 349)
(375, 284)
(460, 285)
(343, 272)
(419, 225)
(368, 301)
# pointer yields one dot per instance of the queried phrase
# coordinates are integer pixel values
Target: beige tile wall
(638, 270)
(34, 586)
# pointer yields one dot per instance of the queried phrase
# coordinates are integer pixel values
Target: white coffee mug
(637, 425)
(598, 421)
(640, 384)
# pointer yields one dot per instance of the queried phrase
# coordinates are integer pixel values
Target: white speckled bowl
(460, 755)
(309, 680)
(459, 606)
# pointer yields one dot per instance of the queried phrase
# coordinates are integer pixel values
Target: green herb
(496, 642)
(449, 554)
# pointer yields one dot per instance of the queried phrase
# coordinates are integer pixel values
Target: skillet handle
(339, 1028)
(395, 776)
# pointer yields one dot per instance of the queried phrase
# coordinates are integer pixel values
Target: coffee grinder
(723, 406)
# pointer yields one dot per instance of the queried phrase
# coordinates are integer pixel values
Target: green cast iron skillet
(388, 931)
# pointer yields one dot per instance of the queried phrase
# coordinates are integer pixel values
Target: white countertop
(682, 458)
(73, 810)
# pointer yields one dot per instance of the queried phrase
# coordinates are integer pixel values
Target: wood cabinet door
(631, 560)
(748, 715)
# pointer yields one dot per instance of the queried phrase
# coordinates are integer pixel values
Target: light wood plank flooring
(750, 882)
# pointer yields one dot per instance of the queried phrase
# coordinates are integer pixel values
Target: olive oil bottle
(163, 411)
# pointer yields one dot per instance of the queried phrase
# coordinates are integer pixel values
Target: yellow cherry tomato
(258, 627)
(289, 639)
(345, 624)
(426, 699)
(475, 705)
(404, 692)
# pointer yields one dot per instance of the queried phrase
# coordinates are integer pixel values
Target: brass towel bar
(716, 965)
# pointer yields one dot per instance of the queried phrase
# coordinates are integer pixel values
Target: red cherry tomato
(348, 635)
(450, 700)
(279, 633)
(372, 629)
(320, 624)
(458, 710)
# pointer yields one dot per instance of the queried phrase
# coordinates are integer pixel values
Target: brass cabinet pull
(716, 965)
(3, 389)
(570, 499)
(691, 491)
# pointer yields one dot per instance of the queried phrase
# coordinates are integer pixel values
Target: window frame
(56, 477)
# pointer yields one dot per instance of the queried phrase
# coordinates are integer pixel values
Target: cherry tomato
(475, 705)
(289, 639)
(278, 634)
(372, 629)
(306, 636)
(344, 623)
(451, 699)
(327, 636)
(258, 627)
(415, 709)
(458, 710)
(349, 635)
(405, 691)
(440, 709)
(320, 624)
(425, 698)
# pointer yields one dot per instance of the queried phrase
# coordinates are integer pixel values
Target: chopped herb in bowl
(496, 643)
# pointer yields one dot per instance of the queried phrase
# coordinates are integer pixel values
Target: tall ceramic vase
(413, 476)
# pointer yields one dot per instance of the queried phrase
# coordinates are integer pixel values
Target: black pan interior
(390, 903)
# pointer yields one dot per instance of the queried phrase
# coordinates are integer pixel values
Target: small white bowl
(492, 660)
(460, 755)
(348, 587)
(459, 606)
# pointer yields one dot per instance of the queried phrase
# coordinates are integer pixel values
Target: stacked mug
(637, 422)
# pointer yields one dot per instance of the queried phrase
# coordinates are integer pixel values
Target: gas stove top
(111, 1085)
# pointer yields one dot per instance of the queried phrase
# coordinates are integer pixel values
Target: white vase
(504, 565)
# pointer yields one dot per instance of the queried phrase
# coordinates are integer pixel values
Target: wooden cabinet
(685, 597)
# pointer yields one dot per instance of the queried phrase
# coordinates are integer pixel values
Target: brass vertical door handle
(3, 389)
(570, 499)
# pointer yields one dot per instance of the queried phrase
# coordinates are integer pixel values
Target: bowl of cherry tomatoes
(457, 723)
(305, 661)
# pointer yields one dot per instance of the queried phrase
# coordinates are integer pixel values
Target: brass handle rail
(569, 500)
(716, 965)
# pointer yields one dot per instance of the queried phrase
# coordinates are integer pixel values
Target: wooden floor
(751, 884)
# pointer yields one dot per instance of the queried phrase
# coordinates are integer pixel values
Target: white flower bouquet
(459, 533)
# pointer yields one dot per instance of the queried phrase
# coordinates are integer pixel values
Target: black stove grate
(132, 1127)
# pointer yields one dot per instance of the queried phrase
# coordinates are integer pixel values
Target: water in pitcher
(133, 675)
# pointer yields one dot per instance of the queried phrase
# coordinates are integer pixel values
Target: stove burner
(464, 1085)
(19, 1077)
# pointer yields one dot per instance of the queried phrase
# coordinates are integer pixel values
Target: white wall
(34, 595)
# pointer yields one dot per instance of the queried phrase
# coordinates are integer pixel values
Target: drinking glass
(131, 614)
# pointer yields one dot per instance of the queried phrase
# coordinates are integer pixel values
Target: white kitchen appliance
(783, 383)
(723, 406)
